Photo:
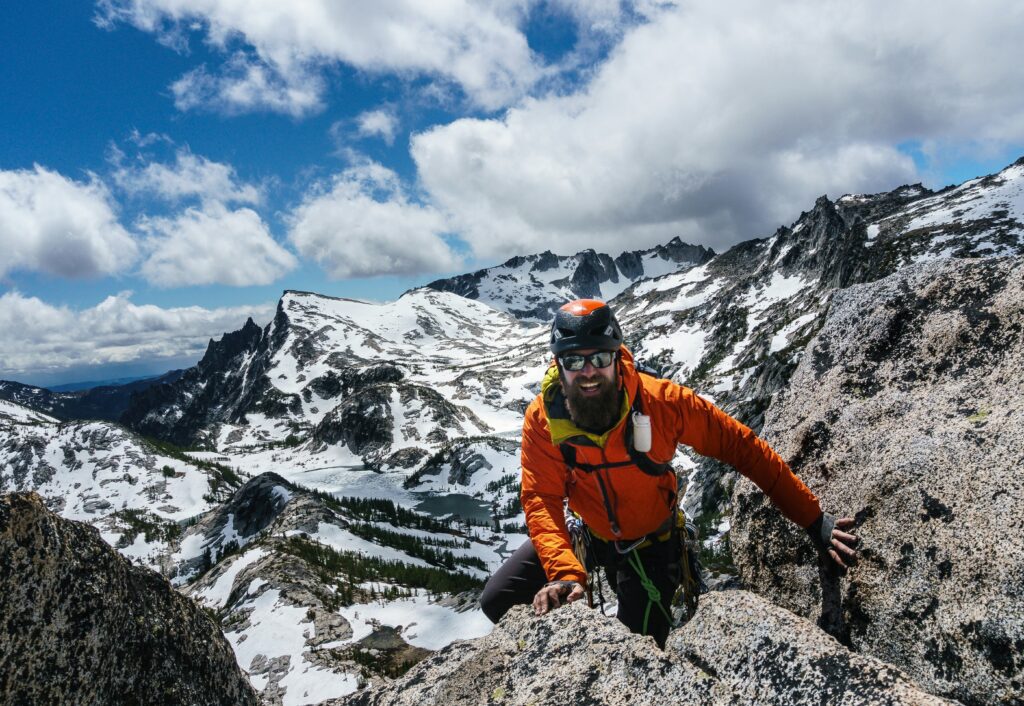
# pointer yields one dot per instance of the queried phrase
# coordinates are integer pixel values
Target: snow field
(216, 595)
(424, 624)
(277, 629)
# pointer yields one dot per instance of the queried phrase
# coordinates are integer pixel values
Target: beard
(594, 413)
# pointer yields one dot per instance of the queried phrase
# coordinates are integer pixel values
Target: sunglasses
(575, 362)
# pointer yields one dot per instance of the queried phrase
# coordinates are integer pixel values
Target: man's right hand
(554, 594)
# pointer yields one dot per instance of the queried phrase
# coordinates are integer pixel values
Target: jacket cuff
(569, 576)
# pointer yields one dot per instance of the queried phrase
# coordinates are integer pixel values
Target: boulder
(905, 412)
(739, 649)
(80, 624)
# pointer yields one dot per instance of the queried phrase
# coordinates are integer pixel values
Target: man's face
(592, 393)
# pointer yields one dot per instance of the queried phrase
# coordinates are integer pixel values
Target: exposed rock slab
(571, 656)
(906, 411)
(768, 655)
(80, 624)
(739, 649)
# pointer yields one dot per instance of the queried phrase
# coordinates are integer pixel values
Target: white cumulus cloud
(720, 121)
(363, 224)
(244, 85)
(50, 223)
(43, 338)
(212, 245)
(473, 44)
(189, 176)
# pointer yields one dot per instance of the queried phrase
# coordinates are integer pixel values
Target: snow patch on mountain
(423, 623)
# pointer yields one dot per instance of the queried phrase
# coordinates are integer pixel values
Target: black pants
(521, 576)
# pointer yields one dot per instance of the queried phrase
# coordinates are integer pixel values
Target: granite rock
(905, 412)
(80, 624)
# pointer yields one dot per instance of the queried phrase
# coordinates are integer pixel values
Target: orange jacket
(641, 502)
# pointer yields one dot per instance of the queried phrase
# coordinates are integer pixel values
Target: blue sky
(167, 168)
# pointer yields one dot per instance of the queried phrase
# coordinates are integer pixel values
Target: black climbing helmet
(585, 323)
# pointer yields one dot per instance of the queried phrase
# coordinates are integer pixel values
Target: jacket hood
(561, 427)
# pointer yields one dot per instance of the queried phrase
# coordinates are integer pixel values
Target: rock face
(768, 655)
(739, 649)
(365, 421)
(229, 380)
(906, 412)
(82, 625)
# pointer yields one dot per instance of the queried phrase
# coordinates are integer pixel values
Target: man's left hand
(842, 543)
(829, 537)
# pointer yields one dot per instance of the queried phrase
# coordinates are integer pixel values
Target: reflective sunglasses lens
(573, 363)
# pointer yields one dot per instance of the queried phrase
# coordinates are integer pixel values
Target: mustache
(598, 378)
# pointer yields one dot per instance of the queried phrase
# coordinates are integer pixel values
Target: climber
(602, 435)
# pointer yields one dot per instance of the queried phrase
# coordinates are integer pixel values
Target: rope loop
(653, 594)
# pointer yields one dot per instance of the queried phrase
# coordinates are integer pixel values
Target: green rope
(653, 594)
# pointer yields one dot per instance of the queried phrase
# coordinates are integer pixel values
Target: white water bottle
(641, 432)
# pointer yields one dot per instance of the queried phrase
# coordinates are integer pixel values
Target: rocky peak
(229, 381)
(531, 287)
(82, 625)
(254, 506)
(592, 270)
(236, 522)
(232, 345)
(821, 246)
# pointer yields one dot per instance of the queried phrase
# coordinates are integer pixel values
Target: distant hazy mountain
(82, 400)
(89, 384)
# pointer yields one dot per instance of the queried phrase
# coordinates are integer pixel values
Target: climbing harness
(691, 584)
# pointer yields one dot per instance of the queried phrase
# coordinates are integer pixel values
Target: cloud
(189, 176)
(40, 337)
(363, 224)
(380, 123)
(212, 245)
(244, 85)
(475, 45)
(52, 224)
(718, 122)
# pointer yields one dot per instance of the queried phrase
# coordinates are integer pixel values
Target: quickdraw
(692, 584)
